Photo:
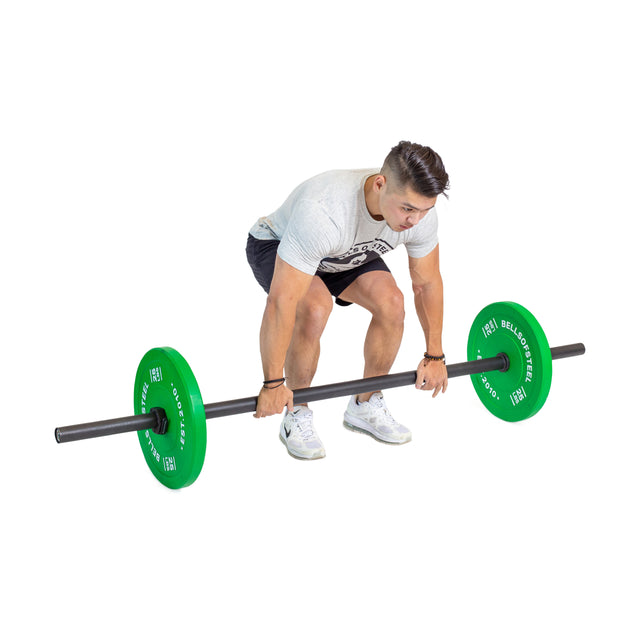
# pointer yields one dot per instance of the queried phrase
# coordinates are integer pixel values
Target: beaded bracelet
(434, 358)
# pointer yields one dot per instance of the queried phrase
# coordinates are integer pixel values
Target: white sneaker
(374, 419)
(298, 435)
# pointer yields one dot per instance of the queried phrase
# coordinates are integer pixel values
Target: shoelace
(305, 428)
(379, 403)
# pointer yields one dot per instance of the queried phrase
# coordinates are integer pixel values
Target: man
(327, 240)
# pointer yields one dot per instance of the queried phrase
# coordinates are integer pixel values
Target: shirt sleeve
(310, 236)
(424, 238)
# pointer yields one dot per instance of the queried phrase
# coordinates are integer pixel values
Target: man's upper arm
(426, 270)
(288, 284)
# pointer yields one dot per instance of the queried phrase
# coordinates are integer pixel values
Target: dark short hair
(417, 167)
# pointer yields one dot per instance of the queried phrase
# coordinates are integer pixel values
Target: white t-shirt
(325, 225)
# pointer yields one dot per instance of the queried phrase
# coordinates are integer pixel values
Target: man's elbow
(423, 286)
(282, 300)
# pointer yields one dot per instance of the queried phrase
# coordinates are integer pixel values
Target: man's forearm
(430, 308)
(275, 335)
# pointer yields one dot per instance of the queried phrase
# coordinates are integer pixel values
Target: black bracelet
(266, 382)
(434, 358)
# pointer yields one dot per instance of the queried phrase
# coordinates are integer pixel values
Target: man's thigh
(373, 290)
(340, 281)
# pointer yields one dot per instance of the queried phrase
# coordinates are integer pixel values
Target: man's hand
(272, 401)
(432, 374)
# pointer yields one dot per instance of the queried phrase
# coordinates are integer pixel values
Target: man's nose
(413, 220)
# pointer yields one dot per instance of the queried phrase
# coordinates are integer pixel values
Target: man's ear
(379, 181)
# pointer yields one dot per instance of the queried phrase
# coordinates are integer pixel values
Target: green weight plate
(520, 392)
(164, 379)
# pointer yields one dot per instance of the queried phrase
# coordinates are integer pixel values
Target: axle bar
(300, 396)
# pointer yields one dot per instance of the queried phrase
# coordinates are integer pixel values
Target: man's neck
(372, 199)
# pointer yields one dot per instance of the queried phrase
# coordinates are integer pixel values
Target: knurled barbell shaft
(300, 396)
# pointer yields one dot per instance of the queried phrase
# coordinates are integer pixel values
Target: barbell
(509, 361)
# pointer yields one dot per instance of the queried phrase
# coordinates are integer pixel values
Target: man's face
(403, 208)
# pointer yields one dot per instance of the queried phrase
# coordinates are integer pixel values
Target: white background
(139, 142)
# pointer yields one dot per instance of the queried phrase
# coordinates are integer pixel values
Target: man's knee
(312, 314)
(389, 306)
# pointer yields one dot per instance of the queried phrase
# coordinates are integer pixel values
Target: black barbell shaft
(300, 396)
(353, 387)
(244, 405)
(567, 351)
(105, 428)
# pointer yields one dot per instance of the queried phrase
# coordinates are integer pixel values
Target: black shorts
(261, 255)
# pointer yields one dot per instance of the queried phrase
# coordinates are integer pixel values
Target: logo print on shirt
(359, 254)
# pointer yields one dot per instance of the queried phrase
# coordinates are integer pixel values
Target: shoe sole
(357, 429)
(284, 442)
